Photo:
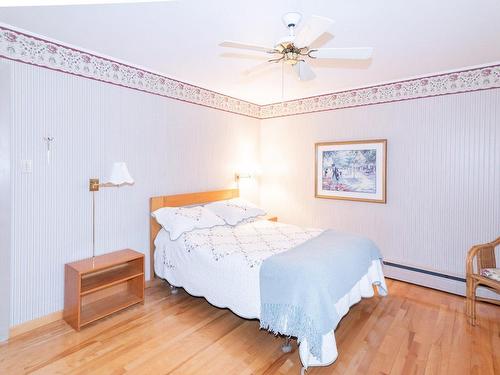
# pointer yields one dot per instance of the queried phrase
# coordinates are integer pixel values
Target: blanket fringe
(290, 320)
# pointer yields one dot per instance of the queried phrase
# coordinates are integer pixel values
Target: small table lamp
(119, 176)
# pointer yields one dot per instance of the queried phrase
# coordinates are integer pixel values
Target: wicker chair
(484, 258)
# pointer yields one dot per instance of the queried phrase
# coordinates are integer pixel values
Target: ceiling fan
(295, 50)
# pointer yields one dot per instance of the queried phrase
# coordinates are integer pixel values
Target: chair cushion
(491, 273)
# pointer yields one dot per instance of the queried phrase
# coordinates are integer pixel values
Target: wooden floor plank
(414, 330)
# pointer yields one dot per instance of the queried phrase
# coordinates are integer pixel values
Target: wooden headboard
(177, 201)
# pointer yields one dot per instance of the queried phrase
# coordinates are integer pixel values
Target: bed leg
(287, 345)
(173, 289)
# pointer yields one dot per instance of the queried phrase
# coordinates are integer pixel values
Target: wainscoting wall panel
(443, 189)
(169, 146)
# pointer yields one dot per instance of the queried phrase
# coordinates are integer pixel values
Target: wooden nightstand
(271, 217)
(97, 287)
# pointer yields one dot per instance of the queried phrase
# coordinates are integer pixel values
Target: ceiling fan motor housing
(291, 19)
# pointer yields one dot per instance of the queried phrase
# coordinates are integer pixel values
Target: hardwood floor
(412, 331)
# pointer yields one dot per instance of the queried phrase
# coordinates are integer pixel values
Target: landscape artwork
(353, 170)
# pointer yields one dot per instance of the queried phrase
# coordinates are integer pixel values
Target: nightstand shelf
(104, 279)
(106, 306)
(100, 286)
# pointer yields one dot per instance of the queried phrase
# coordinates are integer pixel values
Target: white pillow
(235, 210)
(178, 220)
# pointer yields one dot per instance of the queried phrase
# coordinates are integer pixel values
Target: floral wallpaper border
(19, 46)
(481, 78)
(30, 49)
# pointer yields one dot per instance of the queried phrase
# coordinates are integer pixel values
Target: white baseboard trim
(434, 280)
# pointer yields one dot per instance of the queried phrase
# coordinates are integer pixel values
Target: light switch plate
(27, 166)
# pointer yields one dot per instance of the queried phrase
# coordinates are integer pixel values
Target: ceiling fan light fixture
(291, 57)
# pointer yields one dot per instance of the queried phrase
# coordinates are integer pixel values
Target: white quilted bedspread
(255, 241)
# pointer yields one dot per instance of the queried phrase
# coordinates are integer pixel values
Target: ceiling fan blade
(343, 53)
(312, 30)
(304, 71)
(258, 68)
(243, 55)
(239, 45)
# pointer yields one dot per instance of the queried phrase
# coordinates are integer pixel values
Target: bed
(222, 264)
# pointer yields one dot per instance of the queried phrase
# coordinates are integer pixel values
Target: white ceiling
(180, 39)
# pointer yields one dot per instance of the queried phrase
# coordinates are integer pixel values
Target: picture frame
(351, 170)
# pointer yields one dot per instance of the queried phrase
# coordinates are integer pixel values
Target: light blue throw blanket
(300, 287)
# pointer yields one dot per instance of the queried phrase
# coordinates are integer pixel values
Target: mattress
(222, 265)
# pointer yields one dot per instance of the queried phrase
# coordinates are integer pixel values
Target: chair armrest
(474, 251)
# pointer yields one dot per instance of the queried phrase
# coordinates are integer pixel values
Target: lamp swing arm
(95, 185)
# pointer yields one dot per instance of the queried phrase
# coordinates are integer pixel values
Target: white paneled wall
(443, 173)
(443, 190)
(5, 202)
(170, 147)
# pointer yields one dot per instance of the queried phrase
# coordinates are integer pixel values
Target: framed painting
(352, 170)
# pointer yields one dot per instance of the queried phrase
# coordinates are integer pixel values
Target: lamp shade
(120, 175)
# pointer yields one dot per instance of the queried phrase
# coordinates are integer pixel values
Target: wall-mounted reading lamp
(119, 176)
(238, 176)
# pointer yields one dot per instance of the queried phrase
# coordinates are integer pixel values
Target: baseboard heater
(426, 272)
